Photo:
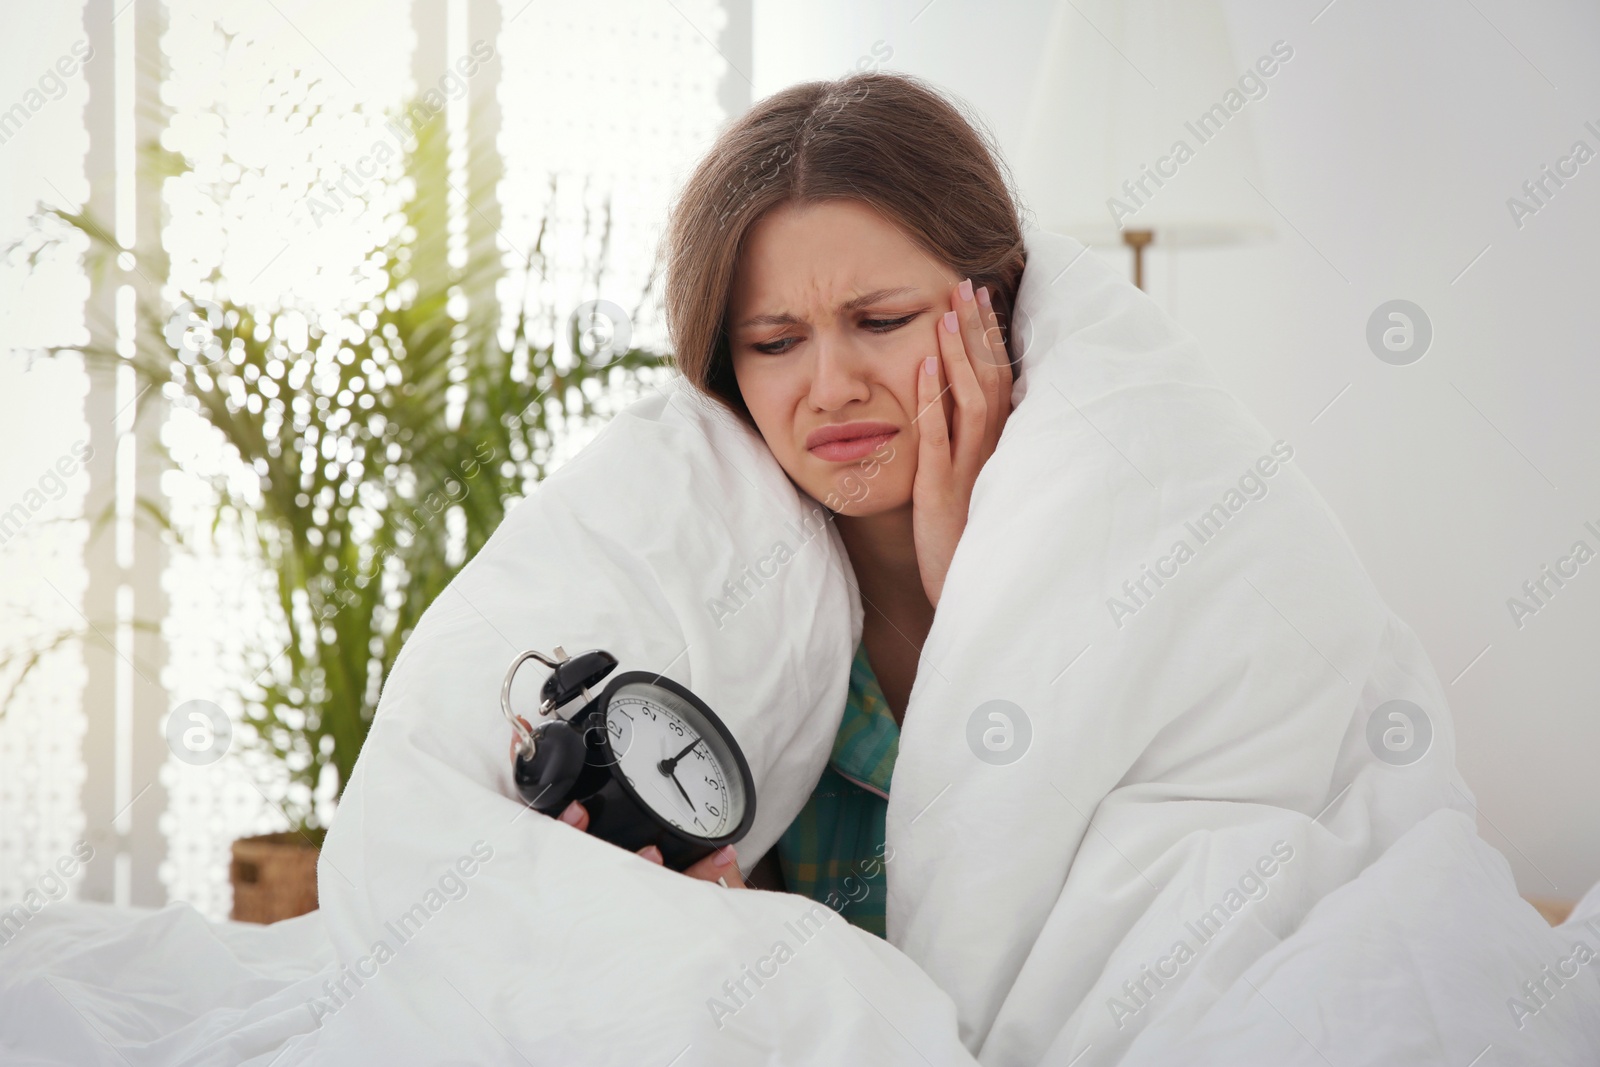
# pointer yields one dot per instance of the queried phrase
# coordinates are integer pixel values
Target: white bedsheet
(1198, 857)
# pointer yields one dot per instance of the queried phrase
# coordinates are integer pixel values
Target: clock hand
(682, 790)
(668, 766)
(669, 769)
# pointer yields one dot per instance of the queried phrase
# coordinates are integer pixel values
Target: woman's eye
(783, 344)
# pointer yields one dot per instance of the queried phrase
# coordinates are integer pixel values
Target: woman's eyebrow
(785, 319)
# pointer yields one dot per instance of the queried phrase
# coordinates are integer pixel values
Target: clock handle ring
(525, 736)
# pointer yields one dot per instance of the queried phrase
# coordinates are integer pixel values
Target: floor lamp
(1131, 135)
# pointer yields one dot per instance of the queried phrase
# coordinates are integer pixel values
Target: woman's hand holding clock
(718, 865)
(959, 426)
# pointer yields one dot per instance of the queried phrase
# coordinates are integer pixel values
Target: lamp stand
(1136, 240)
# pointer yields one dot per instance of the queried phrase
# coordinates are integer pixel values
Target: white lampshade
(1096, 122)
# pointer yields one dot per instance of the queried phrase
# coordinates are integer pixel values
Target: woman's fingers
(935, 495)
(974, 330)
(1000, 395)
(953, 446)
(994, 337)
(982, 354)
(720, 864)
(960, 337)
(933, 433)
(515, 739)
(576, 816)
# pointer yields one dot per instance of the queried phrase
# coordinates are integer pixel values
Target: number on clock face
(644, 731)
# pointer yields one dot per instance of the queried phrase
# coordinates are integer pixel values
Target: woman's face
(832, 312)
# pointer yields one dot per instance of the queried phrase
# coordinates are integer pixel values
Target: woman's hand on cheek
(708, 869)
(972, 359)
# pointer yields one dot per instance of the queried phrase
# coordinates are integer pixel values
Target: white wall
(1391, 144)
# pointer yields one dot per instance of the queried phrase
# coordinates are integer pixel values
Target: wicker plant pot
(274, 877)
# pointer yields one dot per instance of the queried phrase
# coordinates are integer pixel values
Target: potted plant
(385, 451)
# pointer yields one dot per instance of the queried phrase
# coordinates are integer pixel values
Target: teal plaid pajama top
(834, 850)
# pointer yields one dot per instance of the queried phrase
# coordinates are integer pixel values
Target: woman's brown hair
(883, 139)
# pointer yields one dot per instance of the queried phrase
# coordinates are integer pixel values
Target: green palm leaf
(383, 452)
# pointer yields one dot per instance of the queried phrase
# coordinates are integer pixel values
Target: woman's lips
(847, 449)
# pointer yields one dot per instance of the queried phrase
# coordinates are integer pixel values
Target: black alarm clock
(648, 759)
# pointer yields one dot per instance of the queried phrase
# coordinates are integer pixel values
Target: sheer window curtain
(592, 107)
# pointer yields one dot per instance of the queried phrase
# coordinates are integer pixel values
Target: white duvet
(1154, 801)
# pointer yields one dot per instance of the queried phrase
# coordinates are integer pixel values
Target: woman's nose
(836, 375)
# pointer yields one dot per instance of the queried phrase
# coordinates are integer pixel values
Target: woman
(839, 270)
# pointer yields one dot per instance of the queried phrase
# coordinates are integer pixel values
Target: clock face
(674, 760)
